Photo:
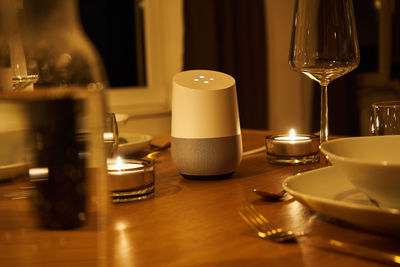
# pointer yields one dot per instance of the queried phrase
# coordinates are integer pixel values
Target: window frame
(163, 30)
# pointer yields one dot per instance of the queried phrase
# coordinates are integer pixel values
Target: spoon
(160, 148)
(270, 196)
(156, 151)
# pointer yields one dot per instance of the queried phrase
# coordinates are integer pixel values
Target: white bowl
(371, 163)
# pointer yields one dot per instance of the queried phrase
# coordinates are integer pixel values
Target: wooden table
(188, 223)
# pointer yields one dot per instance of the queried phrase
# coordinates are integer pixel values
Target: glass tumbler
(111, 136)
(51, 83)
(385, 118)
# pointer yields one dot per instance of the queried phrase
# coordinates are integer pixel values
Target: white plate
(13, 170)
(135, 143)
(327, 192)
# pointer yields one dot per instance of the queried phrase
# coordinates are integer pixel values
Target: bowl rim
(357, 160)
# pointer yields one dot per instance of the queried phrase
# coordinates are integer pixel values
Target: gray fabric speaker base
(202, 157)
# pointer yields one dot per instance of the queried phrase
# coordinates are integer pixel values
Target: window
(147, 89)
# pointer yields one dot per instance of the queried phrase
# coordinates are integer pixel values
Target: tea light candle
(292, 145)
(120, 167)
(125, 175)
(130, 179)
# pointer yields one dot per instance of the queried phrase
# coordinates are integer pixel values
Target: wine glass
(324, 45)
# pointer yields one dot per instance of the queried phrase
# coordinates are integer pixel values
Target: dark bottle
(56, 83)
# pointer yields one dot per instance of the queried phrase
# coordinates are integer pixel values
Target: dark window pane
(116, 29)
(396, 42)
(368, 37)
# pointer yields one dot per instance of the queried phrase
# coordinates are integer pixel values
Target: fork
(266, 230)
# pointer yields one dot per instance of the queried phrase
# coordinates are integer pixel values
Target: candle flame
(292, 134)
(119, 162)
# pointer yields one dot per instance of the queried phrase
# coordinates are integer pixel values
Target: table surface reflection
(187, 223)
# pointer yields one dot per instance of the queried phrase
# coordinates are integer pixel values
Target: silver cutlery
(267, 231)
(156, 151)
(276, 196)
(160, 148)
(270, 196)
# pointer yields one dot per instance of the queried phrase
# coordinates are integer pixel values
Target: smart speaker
(206, 139)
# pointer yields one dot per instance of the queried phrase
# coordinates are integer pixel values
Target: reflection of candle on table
(292, 145)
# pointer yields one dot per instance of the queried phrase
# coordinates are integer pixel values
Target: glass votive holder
(292, 149)
(385, 118)
(130, 180)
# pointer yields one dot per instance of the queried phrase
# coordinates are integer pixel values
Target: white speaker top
(204, 80)
(204, 105)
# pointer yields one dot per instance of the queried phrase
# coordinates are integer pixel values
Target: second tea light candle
(292, 148)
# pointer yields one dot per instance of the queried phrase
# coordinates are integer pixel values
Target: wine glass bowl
(325, 72)
(324, 45)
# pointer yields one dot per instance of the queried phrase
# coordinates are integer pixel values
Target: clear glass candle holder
(131, 180)
(385, 118)
(285, 149)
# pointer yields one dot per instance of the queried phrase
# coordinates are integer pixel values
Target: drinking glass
(324, 45)
(385, 118)
(52, 107)
(111, 136)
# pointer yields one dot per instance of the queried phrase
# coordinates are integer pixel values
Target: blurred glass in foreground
(52, 107)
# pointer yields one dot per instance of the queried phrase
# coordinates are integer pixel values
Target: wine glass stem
(324, 114)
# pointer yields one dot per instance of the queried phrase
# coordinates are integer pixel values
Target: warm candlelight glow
(118, 163)
(124, 167)
(130, 180)
(293, 137)
(292, 134)
(292, 148)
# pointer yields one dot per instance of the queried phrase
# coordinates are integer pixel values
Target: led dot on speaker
(205, 81)
(201, 76)
(211, 79)
(196, 80)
